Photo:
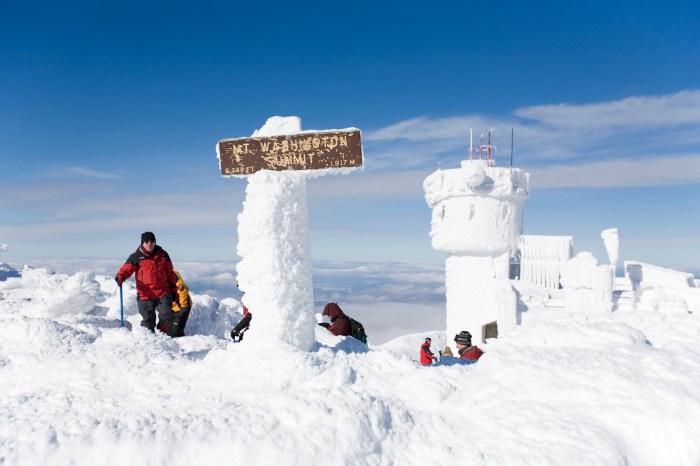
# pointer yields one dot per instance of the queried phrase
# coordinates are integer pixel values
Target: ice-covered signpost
(273, 235)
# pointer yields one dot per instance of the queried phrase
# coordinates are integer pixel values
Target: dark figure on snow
(181, 308)
(466, 350)
(340, 324)
(426, 355)
(156, 282)
(244, 324)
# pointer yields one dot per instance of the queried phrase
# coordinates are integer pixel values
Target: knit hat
(147, 236)
(464, 338)
(447, 351)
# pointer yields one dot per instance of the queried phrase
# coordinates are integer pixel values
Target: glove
(119, 280)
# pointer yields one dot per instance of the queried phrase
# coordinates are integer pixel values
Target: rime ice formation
(659, 288)
(542, 258)
(477, 220)
(611, 241)
(273, 242)
(588, 287)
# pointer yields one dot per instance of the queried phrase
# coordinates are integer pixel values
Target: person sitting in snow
(156, 282)
(340, 324)
(244, 324)
(181, 309)
(426, 355)
(466, 350)
(447, 352)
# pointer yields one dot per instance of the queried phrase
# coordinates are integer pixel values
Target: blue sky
(110, 113)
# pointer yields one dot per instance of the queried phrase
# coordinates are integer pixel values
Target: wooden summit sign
(302, 151)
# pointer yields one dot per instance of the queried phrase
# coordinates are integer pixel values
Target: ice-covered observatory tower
(477, 220)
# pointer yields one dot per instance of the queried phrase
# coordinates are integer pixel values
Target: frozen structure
(588, 287)
(611, 241)
(273, 242)
(542, 259)
(477, 219)
(659, 288)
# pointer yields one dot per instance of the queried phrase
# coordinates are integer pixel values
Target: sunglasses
(149, 241)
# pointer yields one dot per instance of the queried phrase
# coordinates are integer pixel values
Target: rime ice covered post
(477, 220)
(275, 266)
(611, 240)
(588, 287)
(273, 237)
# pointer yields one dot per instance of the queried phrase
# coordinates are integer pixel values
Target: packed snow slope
(75, 388)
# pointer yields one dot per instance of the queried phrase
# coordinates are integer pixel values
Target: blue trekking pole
(121, 305)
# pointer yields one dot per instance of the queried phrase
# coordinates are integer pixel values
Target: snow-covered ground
(560, 389)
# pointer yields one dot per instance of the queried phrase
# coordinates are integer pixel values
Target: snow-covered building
(477, 220)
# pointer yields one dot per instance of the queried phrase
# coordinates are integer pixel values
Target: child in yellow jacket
(181, 307)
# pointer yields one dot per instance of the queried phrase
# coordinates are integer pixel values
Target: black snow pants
(148, 308)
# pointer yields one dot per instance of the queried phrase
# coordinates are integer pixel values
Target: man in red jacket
(156, 282)
(466, 350)
(340, 325)
(426, 356)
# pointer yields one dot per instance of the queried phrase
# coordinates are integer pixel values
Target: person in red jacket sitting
(426, 356)
(340, 325)
(466, 350)
(156, 282)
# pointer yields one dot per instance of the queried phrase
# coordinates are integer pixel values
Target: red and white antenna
(482, 151)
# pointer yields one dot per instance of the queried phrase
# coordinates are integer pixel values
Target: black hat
(464, 338)
(147, 236)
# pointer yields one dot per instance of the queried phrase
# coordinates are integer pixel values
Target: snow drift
(559, 389)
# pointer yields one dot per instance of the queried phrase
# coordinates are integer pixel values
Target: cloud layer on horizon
(639, 141)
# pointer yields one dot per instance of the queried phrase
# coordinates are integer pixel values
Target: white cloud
(620, 173)
(637, 141)
(632, 113)
(60, 210)
(425, 129)
(80, 172)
